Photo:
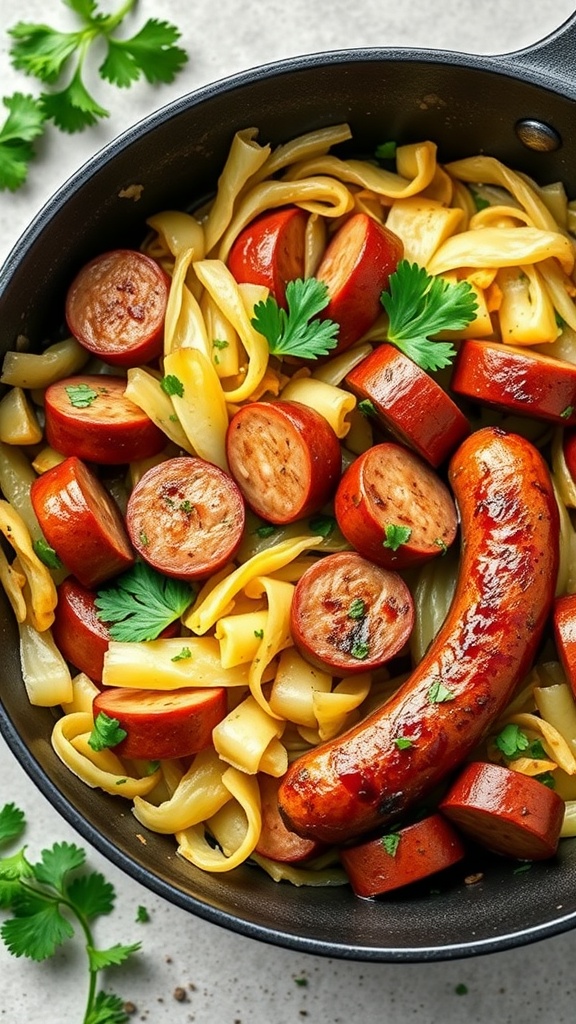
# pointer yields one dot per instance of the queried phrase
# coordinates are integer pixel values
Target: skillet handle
(551, 60)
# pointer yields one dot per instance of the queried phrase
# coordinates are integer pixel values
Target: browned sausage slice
(90, 416)
(270, 250)
(185, 517)
(393, 508)
(285, 458)
(349, 615)
(81, 521)
(507, 812)
(276, 841)
(115, 307)
(402, 857)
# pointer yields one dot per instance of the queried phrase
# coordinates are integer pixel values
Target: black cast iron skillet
(519, 107)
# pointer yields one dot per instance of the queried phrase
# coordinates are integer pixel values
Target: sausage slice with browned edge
(115, 307)
(185, 517)
(285, 458)
(270, 250)
(349, 615)
(394, 508)
(371, 774)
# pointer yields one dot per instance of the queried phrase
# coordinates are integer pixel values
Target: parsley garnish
(323, 525)
(24, 123)
(81, 395)
(513, 743)
(479, 202)
(396, 536)
(259, 634)
(219, 343)
(360, 649)
(265, 531)
(141, 603)
(438, 693)
(567, 412)
(385, 151)
(419, 306)
(547, 779)
(403, 742)
(42, 899)
(142, 915)
(47, 554)
(367, 407)
(183, 655)
(391, 843)
(172, 385)
(107, 732)
(295, 331)
(441, 544)
(357, 609)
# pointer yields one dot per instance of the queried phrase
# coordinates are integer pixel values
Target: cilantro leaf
(15, 867)
(396, 535)
(37, 929)
(322, 525)
(24, 123)
(81, 395)
(172, 385)
(107, 732)
(419, 306)
(391, 843)
(142, 915)
(46, 554)
(438, 693)
(150, 52)
(511, 741)
(57, 862)
(92, 894)
(295, 331)
(403, 742)
(141, 603)
(357, 608)
(41, 51)
(107, 1009)
(73, 108)
(115, 955)
(12, 823)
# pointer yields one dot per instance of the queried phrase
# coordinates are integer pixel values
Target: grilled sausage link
(366, 778)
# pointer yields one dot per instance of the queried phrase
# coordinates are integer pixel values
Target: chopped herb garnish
(219, 343)
(357, 609)
(360, 650)
(438, 693)
(391, 843)
(441, 544)
(142, 602)
(367, 407)
(265, 531)
(396, 536)
(107, 732)
(522, 869)
(547, 779)
(567, 412)
(479, 201)
(259, 634)
(461, 990)
(297, 331)
(172, 385)
(323, 525)
(144, 539)
(186, 506)
(385, 151)
(81, 395)
(419, 306)
(142, 915)
(182, 655)
(511, 741)
(403, 742)
(560, 321)
(151, 767)
(47, 554)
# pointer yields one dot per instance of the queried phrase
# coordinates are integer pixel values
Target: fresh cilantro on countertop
(419, 306)
(297, 331)
(141, 602)
(45, 898)
(60, 60)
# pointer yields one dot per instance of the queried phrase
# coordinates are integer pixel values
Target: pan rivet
(538, 135)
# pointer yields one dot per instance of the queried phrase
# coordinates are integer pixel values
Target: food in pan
(290, 507)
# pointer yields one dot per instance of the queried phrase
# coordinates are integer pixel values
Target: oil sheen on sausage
(506, 583)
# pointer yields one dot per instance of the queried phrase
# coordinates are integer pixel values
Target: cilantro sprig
(297, 331)
(59, 61)
(419, 306)
(141, 603)
(47, 899)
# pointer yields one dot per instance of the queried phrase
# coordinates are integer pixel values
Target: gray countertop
(225, 977)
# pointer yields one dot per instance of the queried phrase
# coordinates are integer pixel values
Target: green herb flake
(301, 982)
(259, 634)
(265, 531)
(547, 779)
(297, 331)
(391, 842)
(141, 603)
(360, 650)
(144, 539)
(81, 395)
(107, 732)
(46, 554)
(479, 201)
(403, 742)
(151, 767)
(461, 989)
(219, 343)
(439, 694)
(441, 544)
(322, 525)
(396, 536)
(172, 385)
(142, 915)
(522, 869)
(357, 609)
(367, 407)
(567, 412)
(182, 655)
(386, 151)
(186, 506)
(512, 741)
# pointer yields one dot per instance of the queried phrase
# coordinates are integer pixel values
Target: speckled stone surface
(224, 977)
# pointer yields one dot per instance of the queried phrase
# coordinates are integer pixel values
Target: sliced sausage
(185, 517)
(393, 508)
(403, 857)
(285, 458)
(409, 403)
(276, 841)
(89, 416)
(115, 307)
(517, 381)
(370, 775)
(564, 623)
(505, 811)
(349, 615)
(270, 251)
(163, 724)
(356, 268)
(81, 521)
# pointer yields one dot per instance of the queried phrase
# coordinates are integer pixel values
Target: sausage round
(505, 588)
(89, 416)
(349, 615)
(185, 517)
(389, 486)
(270, 250)
(81, 521)
(115, 307)
(285, 458)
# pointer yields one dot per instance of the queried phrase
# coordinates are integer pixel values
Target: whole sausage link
(505, 589)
